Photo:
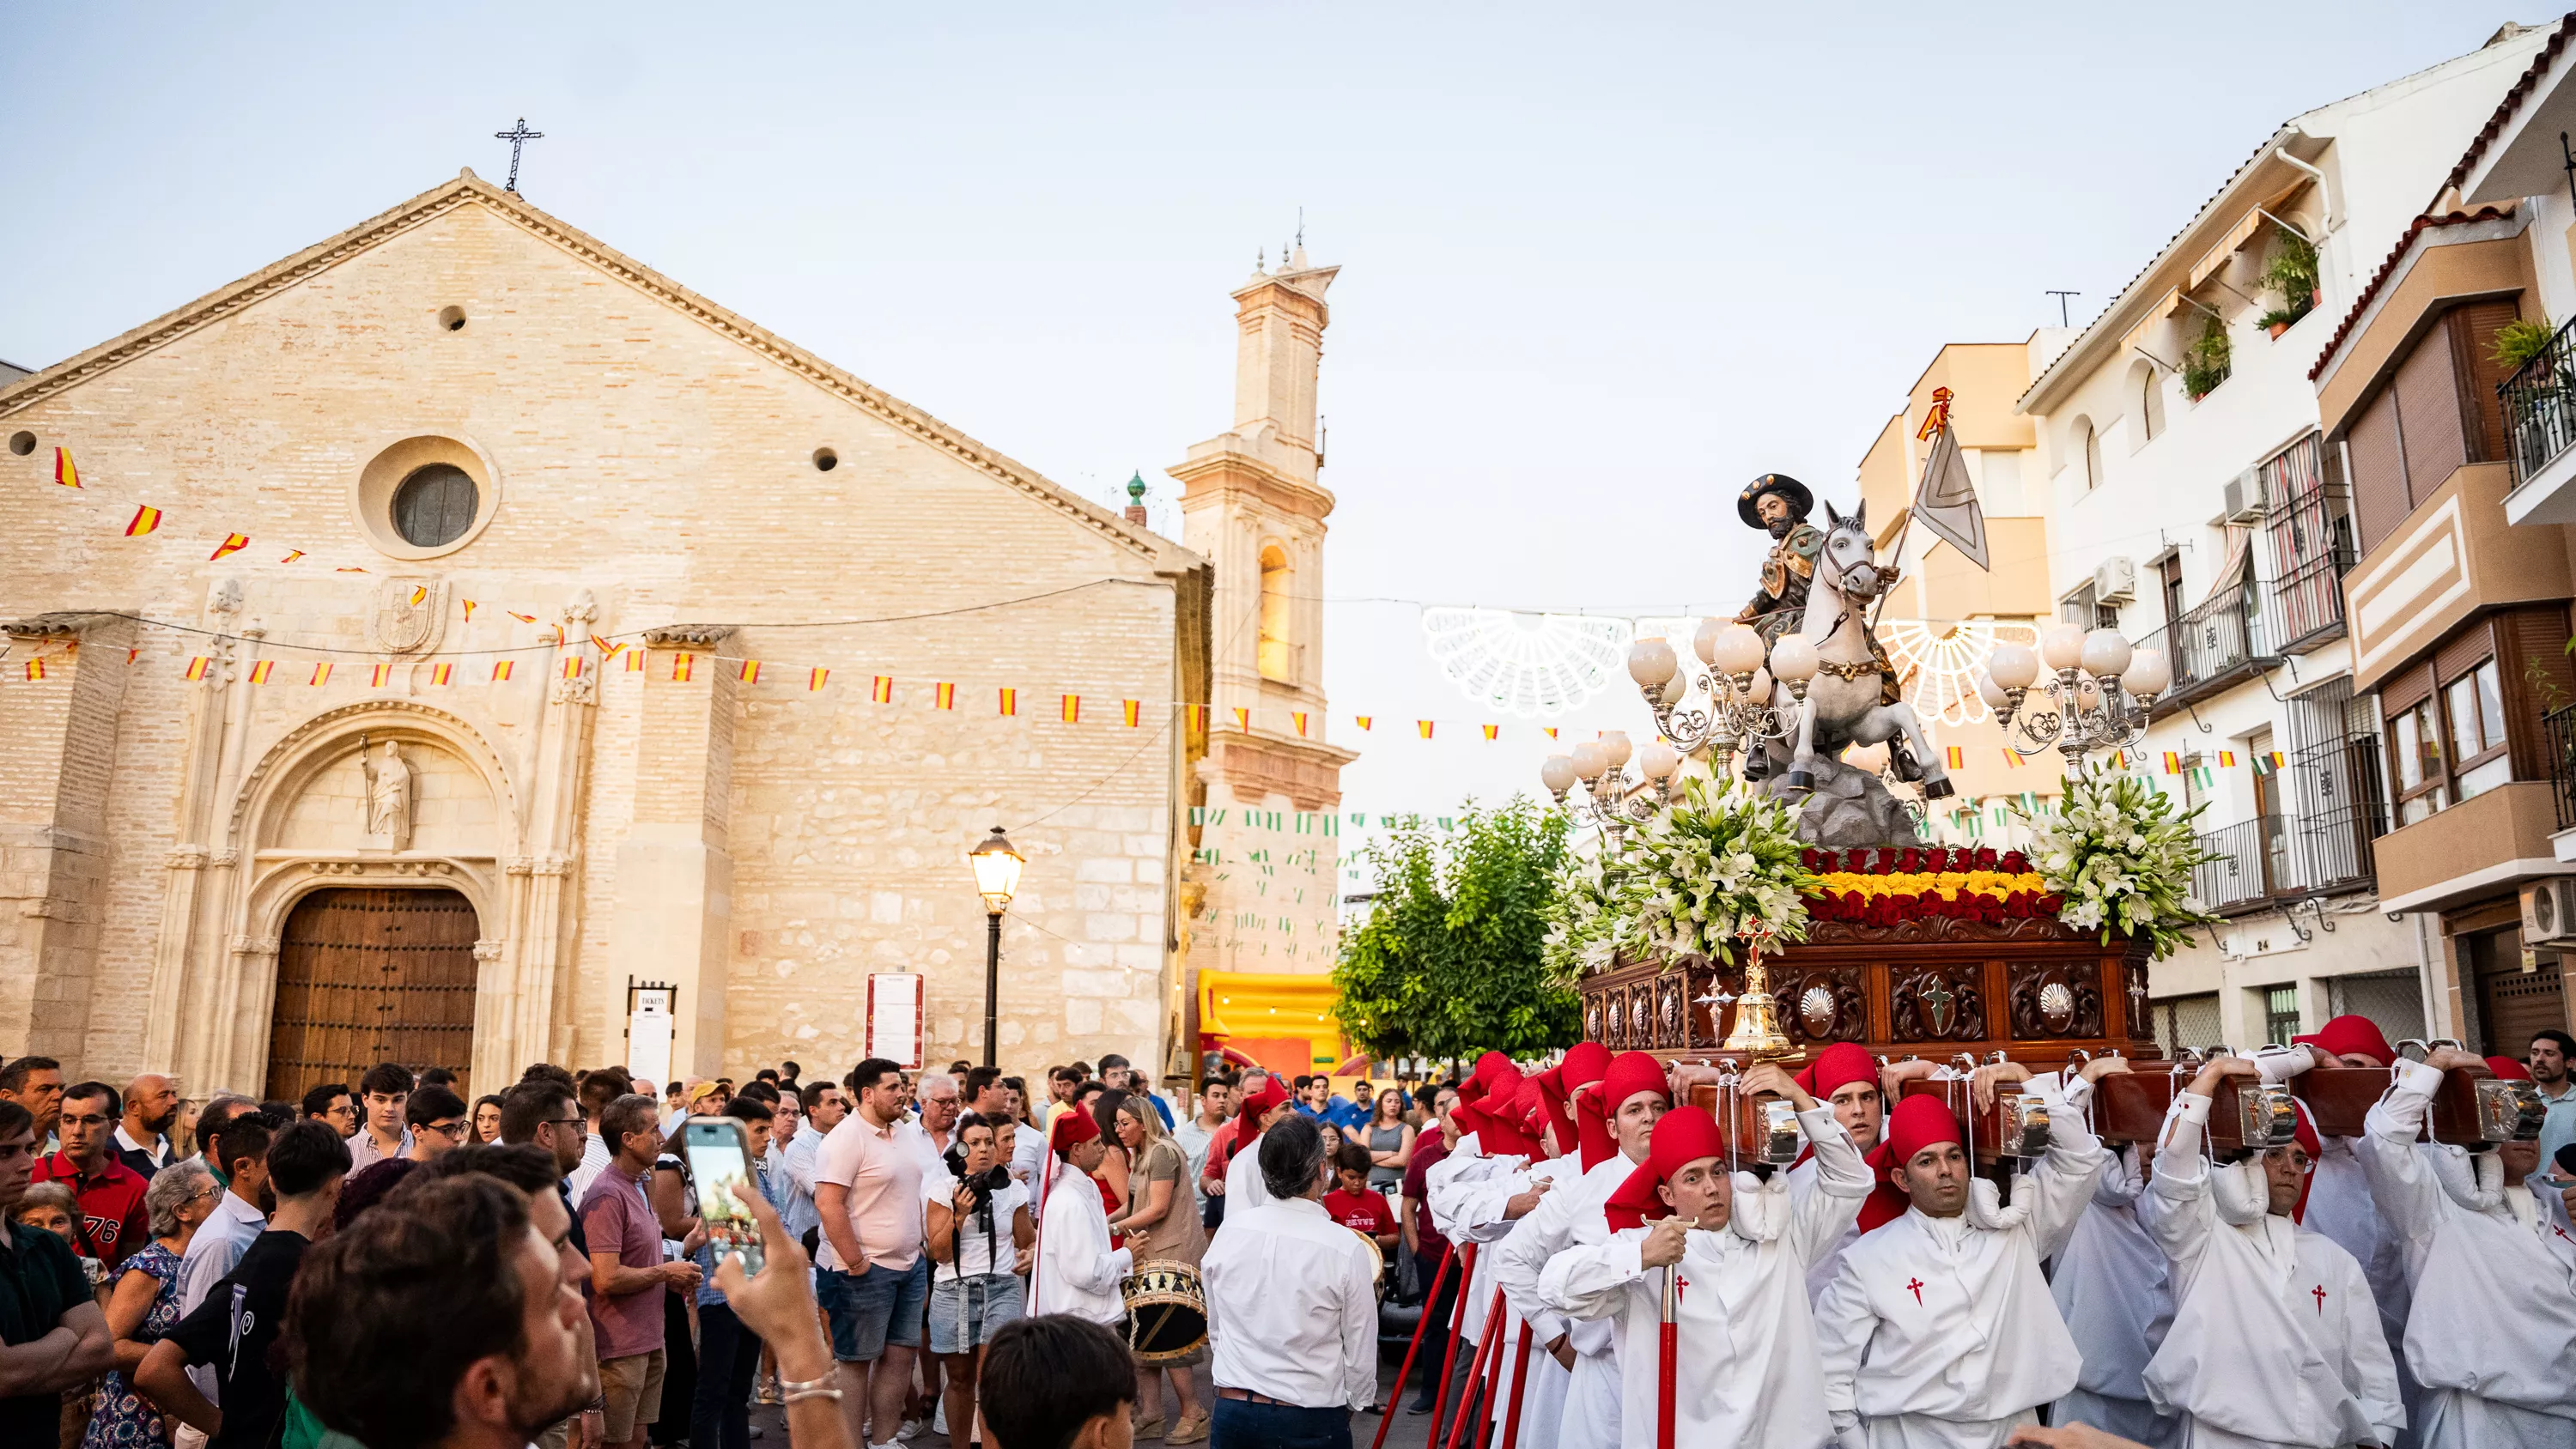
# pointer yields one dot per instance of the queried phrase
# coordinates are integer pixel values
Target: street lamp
(997, 875)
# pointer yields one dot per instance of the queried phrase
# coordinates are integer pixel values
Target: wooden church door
(368, 976)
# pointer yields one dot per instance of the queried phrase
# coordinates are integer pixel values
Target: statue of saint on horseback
(1818, 586)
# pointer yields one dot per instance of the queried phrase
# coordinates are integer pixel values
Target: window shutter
(2473, 328)
(2379, 501)
(2428, 404)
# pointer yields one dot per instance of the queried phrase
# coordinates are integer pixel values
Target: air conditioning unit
(2115, 580)
(2549, 911)
(2245, 502)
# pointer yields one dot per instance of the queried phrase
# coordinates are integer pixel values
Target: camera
(982, 1184)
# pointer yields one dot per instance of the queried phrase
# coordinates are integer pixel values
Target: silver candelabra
(2095, 694)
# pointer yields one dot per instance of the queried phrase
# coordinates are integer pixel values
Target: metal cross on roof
(517, 136)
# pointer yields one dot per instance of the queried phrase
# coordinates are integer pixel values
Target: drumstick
(1489, 1362)
(1520, 1386)
(1457, 1321)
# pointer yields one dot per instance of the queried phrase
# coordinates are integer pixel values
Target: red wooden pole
(1520, 1388)
(1457, 1320)
(1386, 1416)
(1668, 1366)
(1489, 1361)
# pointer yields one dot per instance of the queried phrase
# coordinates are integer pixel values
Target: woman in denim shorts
(977, 1231)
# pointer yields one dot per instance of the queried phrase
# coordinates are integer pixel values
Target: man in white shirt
(2112, 1287)
(824, 1109)
(2492, 1334)
(598, 1088)
(1077, 1272)
(1737, 1249)
(1846, 1078)
(1193, 1134)
(143, 1138)
(1615, 1119)
(1939, 1330)
(1478, 1194)
(1291, 1306)
(2274, 1339)
(1261, 1108)
(940, 1102)
(227, 1232)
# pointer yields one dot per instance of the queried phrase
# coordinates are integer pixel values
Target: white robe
(1466, 1191)
(1077, 1272)
(1802, 1180)
(1747, 1346)
(2275, 1340)
(1941, 1331)
(2110, 1286)
(1476, 1204)
(1244, 1189)
(2492, 1333)
(1519, 1259)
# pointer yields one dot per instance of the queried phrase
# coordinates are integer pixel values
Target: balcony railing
(2240, 878)
(2540, 406)
(2310, 533)
(2231, 637)
(2560, 724)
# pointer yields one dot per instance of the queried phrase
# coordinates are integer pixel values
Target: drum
(1166, 1312)
(1376, 1259)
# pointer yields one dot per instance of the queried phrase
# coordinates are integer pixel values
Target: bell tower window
(1278, 652)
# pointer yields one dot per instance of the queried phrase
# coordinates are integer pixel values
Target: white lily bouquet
(2119, 857)
(1714, 868)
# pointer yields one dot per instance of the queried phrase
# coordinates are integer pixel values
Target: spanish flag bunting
(321, 673)
(1423, 725)
(233, 543)
(681, 664)
(293, 554)
(1243, 719)
(944, 695)
(607, 651)
(572, 666)
(64, 472)
(469, 611)
(2279, 759)
(2013, 759)
(1956, 757)
(348, 569)
(1366, 721)
(2173, 763)
(1551, 730)
(882, 690)
(816, 682)
(197, 666)
(1492, 731)
(522, 618)
(1298, 718)
(419, 595)
(1131, 708)
(635, 661)
(36, 667)
(750, 671)
(1071, 707)
(133, 654)
(501, 670)
(1197, 716)
(146, 519)
(2227, 759)
(1010, 700)
(440, 674)
(259, 671)
(381, 675)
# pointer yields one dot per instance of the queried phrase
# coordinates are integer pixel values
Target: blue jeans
(872, 1309)
(1243, 1424)
(728, 1358)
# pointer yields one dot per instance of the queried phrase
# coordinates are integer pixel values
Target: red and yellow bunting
(818, 679)
(1243, 719)
(259, 671)
(501, 670)
(1131, 708)
(944, 695)
(64, 472)
(522, 618)
(197, 667)
(881, 689)
(681, 666)
(1424, 726)
(749, 673)
(1366, 722)
(293, 554)
(1297, 717)
(1197, 715)
(1955, 757)
(380, 676)
(1070, 710)
(635, 660)
(1551, 730)
(321, 674)
(146, 518)
(1492, 732)
(572, 666)
(1009, 700)
(442, 674)
(35, 670)
(419, 595)
(469, 611)
(233, 543)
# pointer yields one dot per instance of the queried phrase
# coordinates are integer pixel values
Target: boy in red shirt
(1353, 1204)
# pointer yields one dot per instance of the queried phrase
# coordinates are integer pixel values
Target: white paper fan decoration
(1532, 665)
(1944, 659)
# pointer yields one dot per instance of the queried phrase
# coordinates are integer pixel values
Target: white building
(2193, 504)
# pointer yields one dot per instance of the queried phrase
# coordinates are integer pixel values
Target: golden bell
(1757, 1026)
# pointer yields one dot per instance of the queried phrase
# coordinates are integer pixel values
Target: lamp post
(997, 876)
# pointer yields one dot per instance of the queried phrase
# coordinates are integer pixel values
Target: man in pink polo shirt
(871, 1276)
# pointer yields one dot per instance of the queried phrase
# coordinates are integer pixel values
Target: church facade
(459, 629)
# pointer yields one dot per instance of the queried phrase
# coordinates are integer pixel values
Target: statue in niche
(388, 794)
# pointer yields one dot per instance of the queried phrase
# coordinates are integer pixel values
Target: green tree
(1447, 962)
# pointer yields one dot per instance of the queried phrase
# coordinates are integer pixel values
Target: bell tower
(1266, 843)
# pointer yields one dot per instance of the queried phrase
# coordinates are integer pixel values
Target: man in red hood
(1495, 1177)
(1848, 1079)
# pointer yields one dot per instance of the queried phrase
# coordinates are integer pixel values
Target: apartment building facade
(2196, 498)
(2448, 396)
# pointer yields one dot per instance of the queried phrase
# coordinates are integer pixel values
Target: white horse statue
(1842, 706)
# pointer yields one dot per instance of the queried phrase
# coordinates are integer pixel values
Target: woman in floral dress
(145, 1305)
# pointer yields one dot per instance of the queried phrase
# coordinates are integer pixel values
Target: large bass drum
(1166, 1312)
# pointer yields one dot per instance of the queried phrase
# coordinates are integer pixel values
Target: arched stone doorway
(372, 975)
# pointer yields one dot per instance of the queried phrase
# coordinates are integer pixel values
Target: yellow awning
(2228, 246)
(1264, 1004)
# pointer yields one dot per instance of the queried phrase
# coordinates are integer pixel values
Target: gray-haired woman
(145, 1304)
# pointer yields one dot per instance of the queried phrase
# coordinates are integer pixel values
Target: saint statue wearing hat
(1780, 504)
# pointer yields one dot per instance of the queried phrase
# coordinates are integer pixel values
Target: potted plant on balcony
(2291, 270)
(2205, 362)
(2537, 401)
(2516, 343)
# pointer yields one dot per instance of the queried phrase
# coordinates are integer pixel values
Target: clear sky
(1601, 264)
